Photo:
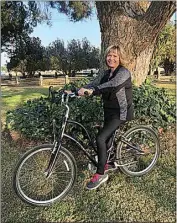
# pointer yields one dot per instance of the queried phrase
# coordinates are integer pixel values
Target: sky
(66, 30)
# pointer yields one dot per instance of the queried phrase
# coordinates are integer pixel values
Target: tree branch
(159, 12)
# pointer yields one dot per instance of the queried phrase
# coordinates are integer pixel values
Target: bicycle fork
(53, 159)
(57, 147)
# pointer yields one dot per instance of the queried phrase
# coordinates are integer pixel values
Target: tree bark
(127, 24)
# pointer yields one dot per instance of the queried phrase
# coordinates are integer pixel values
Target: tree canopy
(75, 10)
(18, 20)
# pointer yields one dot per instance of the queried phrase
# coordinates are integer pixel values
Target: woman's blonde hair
(122, 61)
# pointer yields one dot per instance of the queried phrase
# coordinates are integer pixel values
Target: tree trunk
(141, 68)
(126, 24)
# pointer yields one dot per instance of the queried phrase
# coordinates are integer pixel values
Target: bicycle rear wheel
(133, 162)
(30, 181)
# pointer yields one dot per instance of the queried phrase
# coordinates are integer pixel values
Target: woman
(116, 90)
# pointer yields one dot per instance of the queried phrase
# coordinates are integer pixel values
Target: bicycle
(47, 173)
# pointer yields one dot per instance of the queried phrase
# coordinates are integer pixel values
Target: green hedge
(152, 106)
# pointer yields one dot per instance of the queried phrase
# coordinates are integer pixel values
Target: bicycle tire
(125, 169)
(68, 163)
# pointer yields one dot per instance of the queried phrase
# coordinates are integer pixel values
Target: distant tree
(168, 65)
(58, 56)
(76, 56)
(90, 55)
(13, 64)
(44, 64)
(4, 68)
(164, 53)
(27, 55)
(75, 59)
(86, 53)
(55, 63)
(94, 58)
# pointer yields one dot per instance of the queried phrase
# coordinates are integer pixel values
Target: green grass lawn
(150, 198)
(13, 97)
(170, 87)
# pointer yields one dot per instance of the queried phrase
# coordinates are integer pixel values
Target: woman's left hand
(90, 91)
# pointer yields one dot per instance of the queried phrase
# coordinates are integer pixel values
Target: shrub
(152, 106)
(32, 119)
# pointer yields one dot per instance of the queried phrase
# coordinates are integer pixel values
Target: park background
(124, 199)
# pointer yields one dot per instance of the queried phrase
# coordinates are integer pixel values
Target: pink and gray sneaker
(96, 181)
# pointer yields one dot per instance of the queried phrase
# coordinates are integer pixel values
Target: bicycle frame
(58, 143)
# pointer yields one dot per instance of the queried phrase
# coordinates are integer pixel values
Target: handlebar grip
(74, 90)
(50, 91)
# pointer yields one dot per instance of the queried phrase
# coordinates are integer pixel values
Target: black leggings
(102, 138)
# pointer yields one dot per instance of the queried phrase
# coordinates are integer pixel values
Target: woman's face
(112, 59)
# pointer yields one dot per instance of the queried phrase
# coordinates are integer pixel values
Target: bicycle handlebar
(64, 95)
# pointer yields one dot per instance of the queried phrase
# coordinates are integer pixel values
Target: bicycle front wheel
(138, 163)
(30, 181)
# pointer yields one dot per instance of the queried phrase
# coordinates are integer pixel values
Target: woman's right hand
(68, 92)
(82, 91)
